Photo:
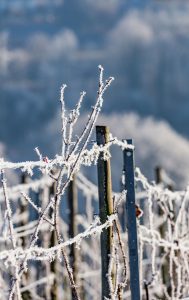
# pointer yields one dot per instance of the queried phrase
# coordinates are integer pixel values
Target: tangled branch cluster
(163, 228)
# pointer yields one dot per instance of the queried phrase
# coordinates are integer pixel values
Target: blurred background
(143, 44)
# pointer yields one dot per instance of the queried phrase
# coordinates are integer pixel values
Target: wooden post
(146, 290)
(23, 210)
(131, 222)
(159, 178)
(25, 278)
(53, 265)
(158, 174)
(162, 230)
(105, 207)
(72, 205)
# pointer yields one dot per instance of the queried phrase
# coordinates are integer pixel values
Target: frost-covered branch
(12, 234)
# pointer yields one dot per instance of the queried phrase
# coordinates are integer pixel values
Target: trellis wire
(16, 259)
(148, 234)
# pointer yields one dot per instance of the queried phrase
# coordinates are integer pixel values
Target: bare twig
(12, 233)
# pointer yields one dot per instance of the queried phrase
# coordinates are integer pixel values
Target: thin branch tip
(100, 67)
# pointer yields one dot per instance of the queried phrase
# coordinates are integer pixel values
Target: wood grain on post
(72, 205)
(105, 207)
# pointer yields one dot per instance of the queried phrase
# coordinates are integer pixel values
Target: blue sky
(145, 47)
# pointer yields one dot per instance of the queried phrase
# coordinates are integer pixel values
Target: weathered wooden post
(25, 295)
(53, 265)
(128, 155)
(23, 180)
(158, 175)
(162, 230)
(72, 205)
(105, 207)
(146, 290)
(160, 178)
